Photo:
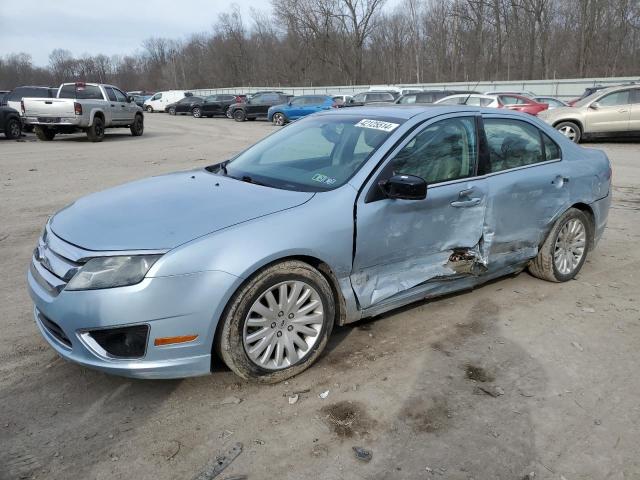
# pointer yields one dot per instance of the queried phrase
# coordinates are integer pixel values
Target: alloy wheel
(568, 132)
(283, 325)
(197, 113)
(14, 129)
(570, 246)
(278, 119)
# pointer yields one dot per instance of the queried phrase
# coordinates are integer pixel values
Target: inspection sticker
(377, 125)
(318, 177)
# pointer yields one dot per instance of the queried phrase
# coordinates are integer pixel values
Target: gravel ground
(415, 387)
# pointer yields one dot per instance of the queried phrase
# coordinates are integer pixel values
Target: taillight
(77, 108)
(22, 106)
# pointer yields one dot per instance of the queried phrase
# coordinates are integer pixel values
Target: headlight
(109, 272)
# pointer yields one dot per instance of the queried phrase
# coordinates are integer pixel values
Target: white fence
(565, 88)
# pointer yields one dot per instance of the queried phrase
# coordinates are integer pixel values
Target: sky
(111, 27)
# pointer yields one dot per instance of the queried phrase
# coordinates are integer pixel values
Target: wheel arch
(315, 262)
(572, 120)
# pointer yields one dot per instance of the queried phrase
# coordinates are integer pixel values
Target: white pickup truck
(87, 107)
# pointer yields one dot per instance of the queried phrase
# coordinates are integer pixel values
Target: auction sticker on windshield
(377, 125)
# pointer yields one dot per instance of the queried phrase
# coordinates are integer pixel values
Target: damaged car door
(529, 189)
(412, 247)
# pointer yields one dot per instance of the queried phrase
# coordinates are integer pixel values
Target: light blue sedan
(343, 215)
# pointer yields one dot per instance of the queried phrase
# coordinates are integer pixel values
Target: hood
(166, 211)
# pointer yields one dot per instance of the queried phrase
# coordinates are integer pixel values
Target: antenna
(469, 96)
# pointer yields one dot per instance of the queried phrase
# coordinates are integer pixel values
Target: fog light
(122, 342)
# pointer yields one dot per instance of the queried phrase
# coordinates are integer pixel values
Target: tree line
(352, 42)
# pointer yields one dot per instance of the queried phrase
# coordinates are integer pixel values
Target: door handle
(112, 105)
(472, 202)
(622, 110)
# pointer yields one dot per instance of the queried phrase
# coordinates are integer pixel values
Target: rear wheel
(172, 111)
(278, 323)
(239, 115)
(565, 250)
(196, 112)
(228, 113)
(45, 134)
(137, 127)
(13, 129)
(570, 130)
(279, 119)
(96, 131)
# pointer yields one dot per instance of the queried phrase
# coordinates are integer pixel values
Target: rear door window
(514, 143)
(110, 94)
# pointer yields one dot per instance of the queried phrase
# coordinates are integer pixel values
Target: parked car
(341, 216)
(87, 107)
(364, 98)
(342, 100)
(15, 96)
(3, 94)
(214, 105)
(552, 102)
(300, 107)
(523, 93)
(184, 105)
(139, 99)
(10, 123)
(520, 103)
(474, 99)
(428, 96)
(609, 112)
(160, 100)
(257, 106)
(587, 92)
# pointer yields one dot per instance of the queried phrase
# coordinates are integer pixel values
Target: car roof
(615, 88)
(405, 112)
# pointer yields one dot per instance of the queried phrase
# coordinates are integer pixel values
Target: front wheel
(44, 134)
(137, 127)
(228, 113)
(149, 109)
(570, 130)
(565, 250)
(279, 119)
(278, 323)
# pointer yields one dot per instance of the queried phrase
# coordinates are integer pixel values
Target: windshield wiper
(248, 179)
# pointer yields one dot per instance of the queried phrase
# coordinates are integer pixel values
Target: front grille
(54, 329)
(50, 268)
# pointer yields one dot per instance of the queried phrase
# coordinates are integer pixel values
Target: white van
(160, 100)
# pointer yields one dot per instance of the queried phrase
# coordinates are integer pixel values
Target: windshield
(588, 99)
(313, 155)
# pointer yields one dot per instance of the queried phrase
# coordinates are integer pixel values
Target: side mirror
(404, 187)
(594, 106)
(129, 99)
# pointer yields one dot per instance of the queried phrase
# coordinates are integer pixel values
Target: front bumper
(170, 306)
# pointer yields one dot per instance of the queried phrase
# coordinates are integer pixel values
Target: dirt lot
(411, 386)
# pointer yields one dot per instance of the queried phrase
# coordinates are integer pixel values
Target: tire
(149, 109)
(96, 131)
(13, 129)
(228, 113)
(545, 266)
(279, 119)
(570, 130)
(44, 134)
(239, 115)
(233, 340)
(196, 112)
(172, 111)
(137, 127)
